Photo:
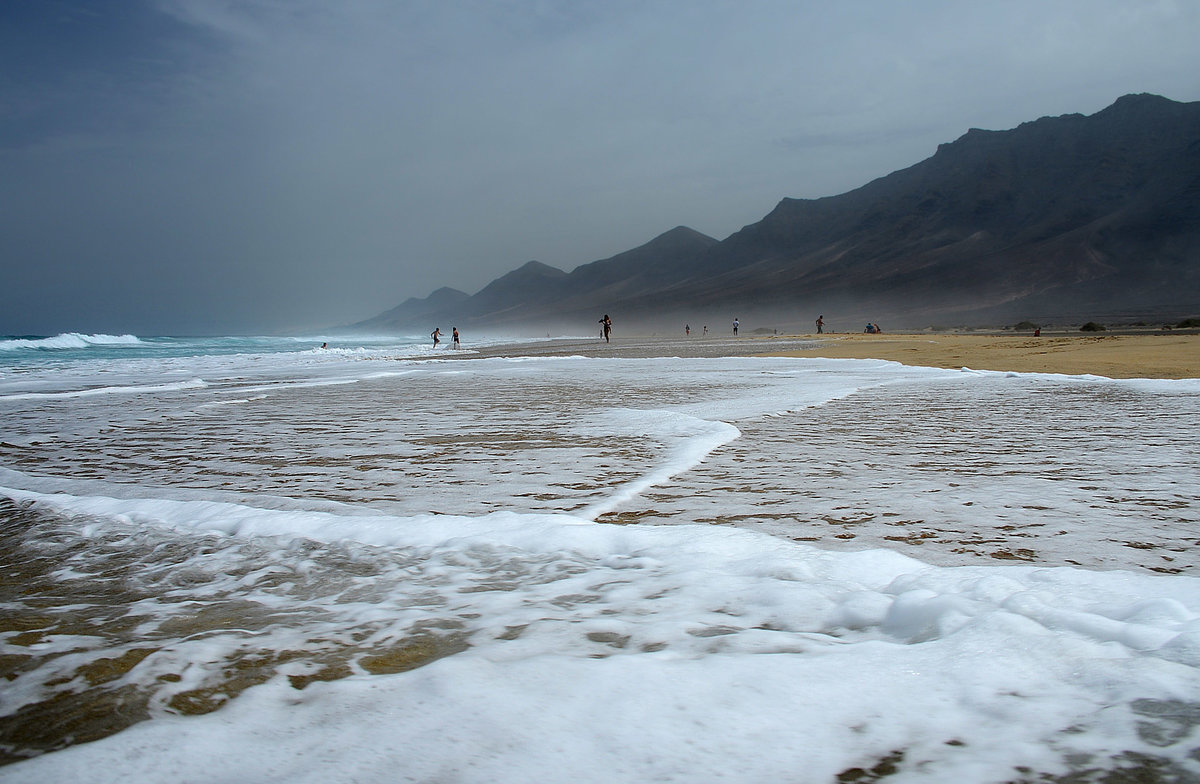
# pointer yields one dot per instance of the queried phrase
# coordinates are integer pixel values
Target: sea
(332, 559)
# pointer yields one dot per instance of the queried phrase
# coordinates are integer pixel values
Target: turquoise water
(20, 350)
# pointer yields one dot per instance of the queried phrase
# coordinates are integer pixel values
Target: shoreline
(1161, 356)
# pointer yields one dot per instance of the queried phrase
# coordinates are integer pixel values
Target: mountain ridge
(1059, 217)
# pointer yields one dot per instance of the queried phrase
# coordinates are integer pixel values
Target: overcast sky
(242, 166)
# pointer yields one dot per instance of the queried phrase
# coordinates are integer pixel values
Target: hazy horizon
(169, 167)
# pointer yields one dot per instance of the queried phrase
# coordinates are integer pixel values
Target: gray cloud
(258, 164)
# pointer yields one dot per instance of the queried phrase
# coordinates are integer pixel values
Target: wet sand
(1114, 356)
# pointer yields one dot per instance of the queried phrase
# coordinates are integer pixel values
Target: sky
(261, 166)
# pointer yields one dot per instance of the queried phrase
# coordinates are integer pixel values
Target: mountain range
(1062, 218)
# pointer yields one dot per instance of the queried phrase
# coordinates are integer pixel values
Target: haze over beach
(240, 543)
(181, 168)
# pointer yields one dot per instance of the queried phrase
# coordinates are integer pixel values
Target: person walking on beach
(820, 324)
(705, 329)
(606, 326)
(455, 335)
(687, 329)
(436, 335)
(735, 326)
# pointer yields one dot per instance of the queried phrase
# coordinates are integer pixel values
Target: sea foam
(600, 653)
(598, 569)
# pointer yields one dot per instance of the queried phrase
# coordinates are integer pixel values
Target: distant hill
(1088, 217)
(413, 311)
(538, 297)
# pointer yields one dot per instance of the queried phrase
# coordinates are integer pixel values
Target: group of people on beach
(606, 329)
(437, 337)
(871, 329)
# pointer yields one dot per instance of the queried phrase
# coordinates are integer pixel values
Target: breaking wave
(67, 340)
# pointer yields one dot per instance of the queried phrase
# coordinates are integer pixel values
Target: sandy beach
(1113, 356)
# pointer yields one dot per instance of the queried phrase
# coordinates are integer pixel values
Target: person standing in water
(436, 335)
(606, 326)
(687, 329)
(454, 334)
(735, 326)
(820, 324)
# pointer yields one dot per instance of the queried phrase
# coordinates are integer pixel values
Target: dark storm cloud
(240, 165)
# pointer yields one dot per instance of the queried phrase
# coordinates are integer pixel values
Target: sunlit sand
(1114, 356)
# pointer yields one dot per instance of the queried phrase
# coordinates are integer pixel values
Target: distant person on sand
(687, 329)
(820, 324)
(705, 329)
(872, 329)
(735, 326)
(606, 326)
(455, 334)
(436, 335)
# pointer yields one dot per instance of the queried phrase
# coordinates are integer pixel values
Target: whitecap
(68, 340)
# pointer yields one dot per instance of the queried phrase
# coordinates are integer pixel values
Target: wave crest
(68, 340)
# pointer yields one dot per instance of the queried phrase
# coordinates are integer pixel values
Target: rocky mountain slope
(1063, 217)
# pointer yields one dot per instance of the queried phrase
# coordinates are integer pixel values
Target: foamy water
(373, 564)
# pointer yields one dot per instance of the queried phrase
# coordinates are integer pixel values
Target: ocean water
(259, 560)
